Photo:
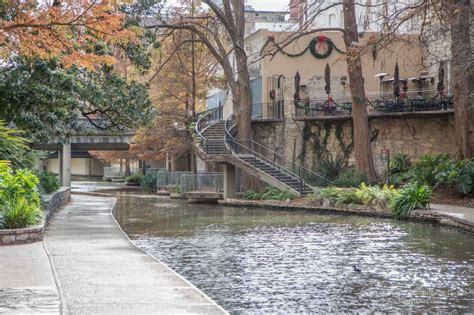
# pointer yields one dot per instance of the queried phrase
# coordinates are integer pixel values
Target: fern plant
(48, 182)
(412, 196)
(331, 167)
(399, 163)
(19, 214)
(12, 144)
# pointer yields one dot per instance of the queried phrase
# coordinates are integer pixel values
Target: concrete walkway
(462, 213)
(461, 217)
(99, 271)
(26, 281)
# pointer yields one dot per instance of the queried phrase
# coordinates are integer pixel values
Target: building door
(276, 94)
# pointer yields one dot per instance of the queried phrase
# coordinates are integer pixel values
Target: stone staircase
(215, 139)
(295, 183)
(213, 143)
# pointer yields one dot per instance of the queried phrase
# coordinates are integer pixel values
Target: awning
(391, 79)
(378, 75)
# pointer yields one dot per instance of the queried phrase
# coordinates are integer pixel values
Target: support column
(65, 165)
(229, 181)
(168, 162)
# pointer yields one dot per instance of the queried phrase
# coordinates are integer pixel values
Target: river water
(257, 261)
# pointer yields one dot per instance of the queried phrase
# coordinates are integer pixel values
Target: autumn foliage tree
(171, 88)
(67, 30)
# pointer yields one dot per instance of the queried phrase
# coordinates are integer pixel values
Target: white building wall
(369, 14)
(79, 166)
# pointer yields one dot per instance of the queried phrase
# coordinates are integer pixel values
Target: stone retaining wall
(51, 203)
(308, 142)
(417, 215)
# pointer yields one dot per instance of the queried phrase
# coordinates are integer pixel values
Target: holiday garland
(312, 47)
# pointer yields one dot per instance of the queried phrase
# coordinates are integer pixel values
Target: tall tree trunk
(243, 110)
(362, 147)
(461, 65)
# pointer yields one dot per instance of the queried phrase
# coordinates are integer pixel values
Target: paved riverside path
(26, 281)
(99, 271)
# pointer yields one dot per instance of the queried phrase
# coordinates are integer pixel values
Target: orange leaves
(69, 32)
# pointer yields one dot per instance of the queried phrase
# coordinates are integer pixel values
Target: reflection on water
(270, 261)
(85, 185)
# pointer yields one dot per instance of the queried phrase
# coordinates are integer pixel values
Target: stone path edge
(56, 279)
(417, 215)
(156, 259)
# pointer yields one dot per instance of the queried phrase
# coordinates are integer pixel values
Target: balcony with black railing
(413, 102)
(270, 111)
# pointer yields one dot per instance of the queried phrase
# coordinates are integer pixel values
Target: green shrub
(252, 195)
(331, 193)
(134, 178)
(433, 170)
(269, 193)
(440, 170)
(363, 195)
(331, 167)
(399, 163)
(350, 178)
(17, 185)
(148, 182)
(20, 214)
(462, 179)
(174, 189)
(48, 182)
(313, 197)
(412, 196)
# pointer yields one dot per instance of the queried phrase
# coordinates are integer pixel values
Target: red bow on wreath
(321, 39)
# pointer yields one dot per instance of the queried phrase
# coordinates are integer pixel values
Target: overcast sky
(262, 5)
(270, 5)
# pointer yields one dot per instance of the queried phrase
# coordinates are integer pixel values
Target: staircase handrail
(204, 119)
(230, 138)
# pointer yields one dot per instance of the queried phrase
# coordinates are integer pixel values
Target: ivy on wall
(317, 139)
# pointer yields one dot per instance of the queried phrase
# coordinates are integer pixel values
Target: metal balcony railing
(113, 172)
(410, 101)
(166, 178)
(119, 172)
(203, 182)
(268, 111)
(153, 170)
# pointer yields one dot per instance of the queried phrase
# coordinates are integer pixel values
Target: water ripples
(276, 262)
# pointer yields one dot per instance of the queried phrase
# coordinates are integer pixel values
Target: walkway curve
(99, 271)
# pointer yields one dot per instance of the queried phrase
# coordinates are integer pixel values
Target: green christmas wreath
(312, 47)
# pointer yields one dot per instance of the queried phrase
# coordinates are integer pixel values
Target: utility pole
(192, 157)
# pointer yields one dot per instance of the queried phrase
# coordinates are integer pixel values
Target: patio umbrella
(440, 86)
(396, 82)
(327, 79)
(297, 86)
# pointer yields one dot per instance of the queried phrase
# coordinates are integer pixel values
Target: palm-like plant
(412, 196)
(12, 144)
